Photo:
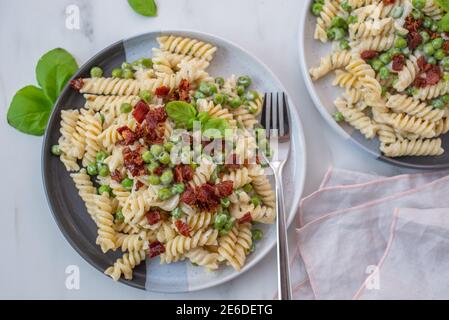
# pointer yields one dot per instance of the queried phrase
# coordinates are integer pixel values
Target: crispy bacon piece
(77, 84)
(159, 170)
(246, 218)
(183, 173)
(429, 74)
(133, 161)
(140, 111)
(414, 39)
(156, 248)
(411, 24)
(206, 198)
(129, 136)
(162, 91)
(153, 217)
(224, 189)
(369, 54)
(183, 228)
(139, 184)
(188, 196)
(421, 63)
(116, 176)
(154, 131)
(446, 46)
(433, 75)
(398, 62)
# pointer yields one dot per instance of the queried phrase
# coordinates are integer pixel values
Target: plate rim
(301, 159)
(327, 116)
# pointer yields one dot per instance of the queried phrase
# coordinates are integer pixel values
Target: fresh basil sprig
(184, 114)
(147, 8)
(31, 106)
(444, 22)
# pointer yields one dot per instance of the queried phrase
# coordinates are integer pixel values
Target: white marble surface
(34, 253)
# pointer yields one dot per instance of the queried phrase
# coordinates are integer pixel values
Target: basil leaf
(147, 8)
(444, 23)
(53, 71)
(215, 123)
(182, 113)
(29, 110)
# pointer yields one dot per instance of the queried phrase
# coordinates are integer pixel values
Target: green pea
(427, 23)
(251, 95)
(419, 4)
(126, 66)
(92, 169)
(445, 98)
(247, 187)
(205, 88)
(145, 95)
(167, 177)
(346, 6)
(117, 73)
(235, 102)
(147, 156)
(101, 156)
(225, 202)
(339, 117)
(96, 72)
(416, 14)
(164, 194)
(128, 183)
(103, 170)
(257, 234)
(255, 201)
(164, 158)
(440, 54)
(336, 33)
(154, 180)
(156, 150)
(125, 108)
(384, 73)
(55, 150)
(425, 36)
(177, 188)
(244, 81)
(128, 74)
(397, 12)
(445, 63)
(344, 44)
(176, 213)
(104, 189)
(119, 216)
(437, 43)
(431, 60)
(199, 95)
(339, 22)
(146, 62)
(253, 248)
(240, 90)
(229, 224)
(317, 8)
(168, 146)
(213, 89)
(393, 52)
(400, 43)
(220, 221)
(220, 81)
(218, 99)
(385, 58)
(352, 19)
(377, 64)
(152, 166)
(438, 104)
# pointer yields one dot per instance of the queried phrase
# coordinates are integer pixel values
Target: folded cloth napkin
(363, 236)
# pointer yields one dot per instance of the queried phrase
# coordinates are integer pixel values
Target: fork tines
(275, 114)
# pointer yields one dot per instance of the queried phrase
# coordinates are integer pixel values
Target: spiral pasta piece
(433, 10)
(329, 11)
(216, 111)
(331, 62)
(378, 27)
(422, 147)
(411, 124)
(131, 242)
(105, 222)
(172, 60)
(227, 246)
(125, 265)
(187, 47)
(86, 190)
(408, 74)
(111, 86)
(244, 117)
(431, 92)
(239, 177)
(377, 43)
(204, 258)
(356, 119)
(243, 245)
(93, 129)
(200, 221)
(402, 103)
(345, 79)
(262, 186)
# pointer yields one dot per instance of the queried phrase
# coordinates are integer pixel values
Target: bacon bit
(77, 84)
(414, 39)
(205, 197)
(156, 248)
(154, 132)
(153, 217)
(117, 176)
(446, 46)
(159, 170)
(398, 62)
(369, 54)
(162, 91)
(433, 76)
(184, 90)
(224, 189)
(412, 25)
(140, 111)
(133, 161)
(129, 136)
(188, 196)
(183, 228)
(421, 63)
(246, 218)
(139, 185)
(183, 172)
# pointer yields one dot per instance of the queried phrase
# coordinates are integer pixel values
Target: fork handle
(284, 287)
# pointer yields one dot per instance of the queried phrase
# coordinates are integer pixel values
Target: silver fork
(276, 120)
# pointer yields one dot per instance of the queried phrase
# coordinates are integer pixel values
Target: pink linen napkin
(346, 227)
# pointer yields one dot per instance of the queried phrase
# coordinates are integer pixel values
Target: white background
(34, 254)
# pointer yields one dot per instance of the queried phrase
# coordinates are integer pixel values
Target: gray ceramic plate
(324, 94)
(69, 210)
